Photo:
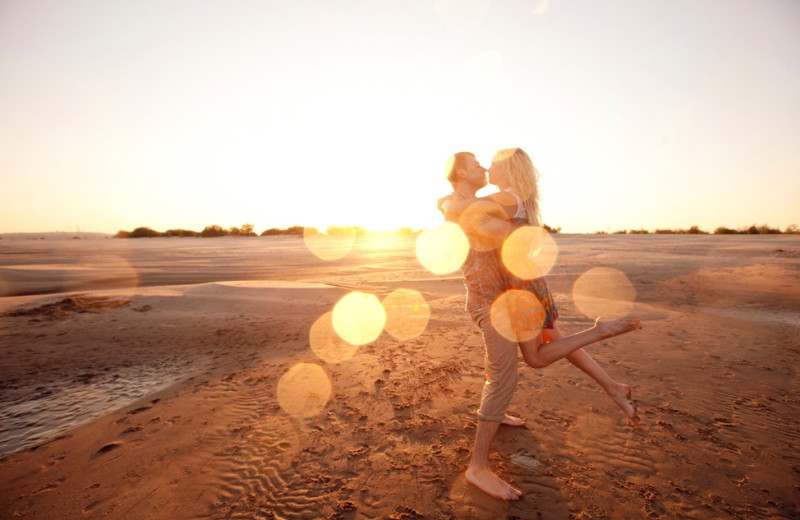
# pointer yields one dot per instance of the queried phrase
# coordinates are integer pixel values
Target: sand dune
(143, 380)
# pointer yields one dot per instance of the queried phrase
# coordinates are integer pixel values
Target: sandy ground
(142, 379)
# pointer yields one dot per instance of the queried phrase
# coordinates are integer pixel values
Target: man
(486, 225)
(484, 283)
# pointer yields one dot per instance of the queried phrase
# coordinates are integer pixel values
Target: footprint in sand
(131, 429)
(50, 487)
(108, 447)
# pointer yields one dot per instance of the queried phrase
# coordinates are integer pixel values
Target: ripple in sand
(327, 344)
(407, 314)
(599, 439)
(603, 291)
(529, 252)
(358, 318)
(443, 249)
(304, 390)
(517, 315)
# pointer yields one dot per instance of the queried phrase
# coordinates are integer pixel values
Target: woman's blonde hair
(523, 178)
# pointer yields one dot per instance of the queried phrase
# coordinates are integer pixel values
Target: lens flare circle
(112, 274)
(304, 390)
(327, 344)
(476, 221)
(603, 291)
(517, 315)
(529, 252)
(442, 250)
(407, 314)
(358, 318)
(334, 245)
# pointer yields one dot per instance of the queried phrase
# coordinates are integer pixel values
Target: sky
(183, 114)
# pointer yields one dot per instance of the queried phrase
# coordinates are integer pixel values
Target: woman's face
(497, 174)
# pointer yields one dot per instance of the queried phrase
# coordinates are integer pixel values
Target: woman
(493, 218)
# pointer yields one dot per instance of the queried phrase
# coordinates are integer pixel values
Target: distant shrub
(213, 231)
(695, 230)
(766, 230)
(792, 230)
(620, 232)
(247, 230)
(180, 233)
(144, 232)
(638, 232)
(294, 230)
(552, 230)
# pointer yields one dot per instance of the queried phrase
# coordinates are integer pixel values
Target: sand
(142, 379)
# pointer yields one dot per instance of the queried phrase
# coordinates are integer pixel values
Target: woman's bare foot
(510, 420)
(611, 328)
(621, 394)
(484, 479)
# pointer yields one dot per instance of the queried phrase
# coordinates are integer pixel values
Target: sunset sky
(181, 114)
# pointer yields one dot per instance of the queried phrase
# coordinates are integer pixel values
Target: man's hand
(443, 203)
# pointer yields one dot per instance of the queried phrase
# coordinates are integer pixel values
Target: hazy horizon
(638, 115)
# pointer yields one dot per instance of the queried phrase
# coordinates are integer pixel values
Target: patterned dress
(537, 286)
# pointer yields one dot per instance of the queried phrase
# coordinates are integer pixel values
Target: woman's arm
(485, 223)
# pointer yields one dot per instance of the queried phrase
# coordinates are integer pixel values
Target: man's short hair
(457, 162)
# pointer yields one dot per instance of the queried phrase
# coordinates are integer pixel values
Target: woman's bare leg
(620, 393)
(539, 353)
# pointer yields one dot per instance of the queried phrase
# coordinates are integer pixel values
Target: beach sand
(147, 379)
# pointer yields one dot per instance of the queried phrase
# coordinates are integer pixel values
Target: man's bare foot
(621, 395)
(611, 328)
(484, 479)
(510, 420)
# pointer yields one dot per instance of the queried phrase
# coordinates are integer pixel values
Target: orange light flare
(483, 223)
(603, 291)
(336, 243)
(517, 315)
(529, 252)
(407, 314)
(114, 275)
(327, 344)
(304, 390)
(358, 318)
(442, 250)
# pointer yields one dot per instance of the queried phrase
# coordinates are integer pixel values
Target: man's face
(474, 173)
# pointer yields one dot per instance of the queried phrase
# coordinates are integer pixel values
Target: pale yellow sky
(182, 114)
